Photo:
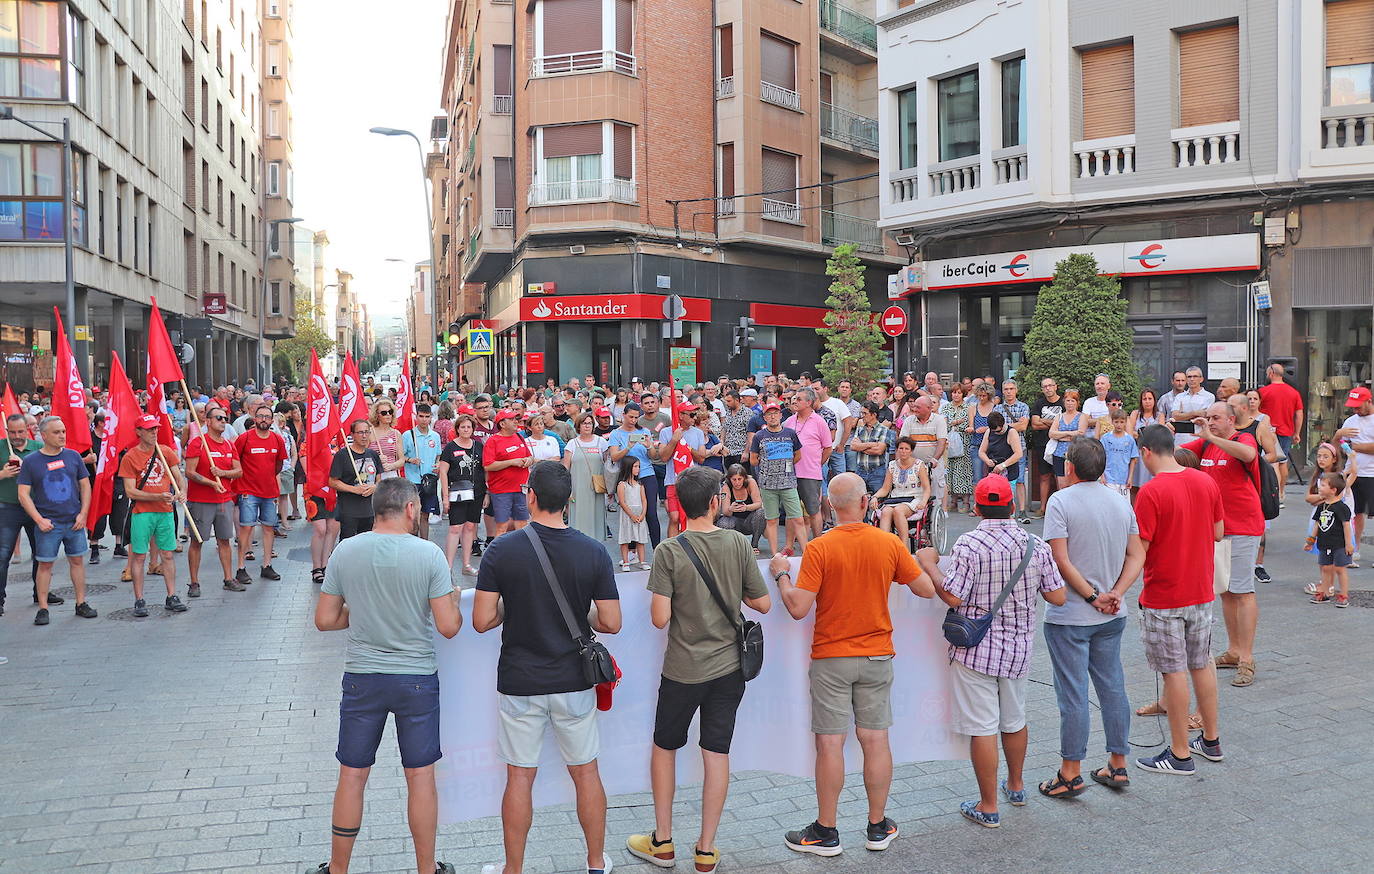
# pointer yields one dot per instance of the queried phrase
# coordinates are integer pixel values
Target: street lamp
(78, 340)
(265, 370)
(433, 261)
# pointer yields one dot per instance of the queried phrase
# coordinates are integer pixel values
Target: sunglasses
(219, 418)
(386, 412)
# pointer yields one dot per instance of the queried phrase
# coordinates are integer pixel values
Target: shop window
(31, 192)
(1165, 295)
(958, 105)
(31, 50)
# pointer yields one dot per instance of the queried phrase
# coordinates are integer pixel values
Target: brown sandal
(1245, 674)
(1155, 709)
(1226, 660)
(1194, 721)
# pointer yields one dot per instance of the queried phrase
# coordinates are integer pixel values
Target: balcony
(1346, 127)
(779, 96)
(851, 26)
(1109, 156)
(1207, 144)
(849, 128)
(469, 301)
(955, 176)
(725, 205)
(1010, 165)
(781, 211)
(586, 190)
(469, 156)
(582, 62)
(837, 228)
(503, 217)
(502, 104)
(725, 87)
(904, 185)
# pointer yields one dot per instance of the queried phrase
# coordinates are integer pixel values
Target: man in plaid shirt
(989, 680)
(873, 445)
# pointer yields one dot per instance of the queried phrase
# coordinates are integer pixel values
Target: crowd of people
(1171, 490)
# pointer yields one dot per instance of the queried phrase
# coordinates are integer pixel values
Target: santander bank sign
(607, 306)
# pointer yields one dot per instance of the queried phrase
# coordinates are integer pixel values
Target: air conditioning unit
(577, 250)
(905, 239)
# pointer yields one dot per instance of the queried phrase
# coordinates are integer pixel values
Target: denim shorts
(257, 511)
(368, 698)
(45, 543)
(506, 506)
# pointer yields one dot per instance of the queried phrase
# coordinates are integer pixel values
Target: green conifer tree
(853, 341)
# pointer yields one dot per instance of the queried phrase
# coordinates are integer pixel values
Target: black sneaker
(881, 834)
(269, 574)
(1262, 575)
(120, 551)
(193, 590)
(1208, 749)
(1167, 763)
(53, 600)
(140, 608)
(95, 557)
(815, 839)
(234, 586)
(174, 605)
(242, 576)
(86, 611)
(41, 618)
(476, 547)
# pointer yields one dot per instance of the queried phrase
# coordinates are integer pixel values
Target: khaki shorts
(215, 519)
(850, 690)
(523, 719)
(985, 705)
(787, 498)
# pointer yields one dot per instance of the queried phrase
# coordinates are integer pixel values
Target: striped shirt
(981, 563)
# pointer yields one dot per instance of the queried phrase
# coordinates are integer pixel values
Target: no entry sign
(894, 321)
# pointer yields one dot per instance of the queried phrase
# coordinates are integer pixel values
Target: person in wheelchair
(905, 492)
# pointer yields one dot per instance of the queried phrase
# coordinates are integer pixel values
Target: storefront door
(997, 333)
(1161, 347)
(1336, 348)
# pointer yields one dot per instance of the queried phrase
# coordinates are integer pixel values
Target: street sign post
(894, 321)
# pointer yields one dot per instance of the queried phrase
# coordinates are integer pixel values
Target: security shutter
(727, 50)
(1333, 276)
(1209, 75)
(505, 182)
(1108, 91)
(625, 26)
(567, 140)
(623, 159)
(780, 176)
(571, 26)
(778, 61)
(501, 58)
(1349, 32)
(727, 170)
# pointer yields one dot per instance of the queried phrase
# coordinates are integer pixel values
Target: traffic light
(453, 336)
(743, 335)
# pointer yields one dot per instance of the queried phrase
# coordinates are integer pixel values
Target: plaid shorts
(1178, 638)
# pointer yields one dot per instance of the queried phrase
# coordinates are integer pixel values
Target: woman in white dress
(584, 458)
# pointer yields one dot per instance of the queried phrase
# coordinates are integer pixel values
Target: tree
(296, 351)
(853, 342)
(1079, 330)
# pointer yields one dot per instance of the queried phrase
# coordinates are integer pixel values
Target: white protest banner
(772, 731)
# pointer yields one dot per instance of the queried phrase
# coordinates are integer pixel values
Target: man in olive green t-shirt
(13, 519)
(701, 668)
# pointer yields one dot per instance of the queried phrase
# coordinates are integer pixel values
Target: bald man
(1283, 405)
(1227, 387)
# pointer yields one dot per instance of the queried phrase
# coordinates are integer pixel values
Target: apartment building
(162, 99)
(598, 156)
(278, 190)
(1216, 154)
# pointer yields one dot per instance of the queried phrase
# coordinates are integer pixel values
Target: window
(1209, 76)
(205, 104)
(1349, 52)
(273, 178)
(274, 59)
(274, 296)
(570, 168)
(80, 167)
(1013, 102)
(503, 75)
(726, 204)
(780, 187)
(725, 45)
(778, 71)
(233, 135)
(31, 50)
(119, 222)
(1108, 91)
(958, 106)
(31, 192)
(76, 60)
(273, 239)
(205, 185)
(233, 215)
(219, 49)
(219, 125)
(504, 190)
(907, 128)
(622, 151)
(570, 37)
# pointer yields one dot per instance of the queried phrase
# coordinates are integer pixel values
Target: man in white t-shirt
(1357, 436)
(1095, 407)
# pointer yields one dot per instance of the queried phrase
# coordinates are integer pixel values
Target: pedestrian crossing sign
(479, 341)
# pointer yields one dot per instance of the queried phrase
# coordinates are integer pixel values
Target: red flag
(68, 394)
(120, 415)
(9, 406)
(324, 424)
(352, 405)
(405, 398)
(162, 358)
(682, 453)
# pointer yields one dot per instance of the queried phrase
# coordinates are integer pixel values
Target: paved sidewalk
(204, 742)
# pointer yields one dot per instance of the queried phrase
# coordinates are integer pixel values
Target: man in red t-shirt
(507, 459)
(1180, 515)
(1230, 458)
(261, 454)
(1283, 405)
(212, 466)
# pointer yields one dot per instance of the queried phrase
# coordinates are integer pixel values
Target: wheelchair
(931, 529)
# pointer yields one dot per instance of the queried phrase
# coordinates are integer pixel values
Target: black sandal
(1111, 780)
(1072, 788)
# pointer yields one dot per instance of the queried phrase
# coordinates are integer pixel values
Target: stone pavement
(204, 742)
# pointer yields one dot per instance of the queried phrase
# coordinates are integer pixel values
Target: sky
(358, 65)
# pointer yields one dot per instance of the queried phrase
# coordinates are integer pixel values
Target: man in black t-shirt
(539, 675)
(353, 474)
(1043, 412)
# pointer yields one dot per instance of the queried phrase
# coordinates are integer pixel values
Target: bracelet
(778, 577)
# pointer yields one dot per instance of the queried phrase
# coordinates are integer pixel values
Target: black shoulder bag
(748, 633)
(597, 666)
(964, 632)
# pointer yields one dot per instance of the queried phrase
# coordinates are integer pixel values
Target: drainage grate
(91, 589)
(127, 614)
(1361, 598)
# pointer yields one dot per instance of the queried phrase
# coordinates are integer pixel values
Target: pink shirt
(815, 436)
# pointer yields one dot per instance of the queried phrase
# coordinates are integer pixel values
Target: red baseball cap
(686, 408)
(771, 405)
(147, 420)
(467, 410)
(502, 415)
(993, 490)
(1357, 397)
(601, 411)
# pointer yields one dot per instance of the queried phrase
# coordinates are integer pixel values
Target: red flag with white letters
(682, 453)
(352, 404)
(405, 398)
(323, 425)
(69, 394)
(163, 368)
(120, 414)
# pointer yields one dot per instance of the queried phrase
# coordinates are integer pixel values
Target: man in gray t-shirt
(1093, 535)
(390, 591)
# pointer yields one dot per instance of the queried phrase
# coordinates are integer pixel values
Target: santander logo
(542, 311)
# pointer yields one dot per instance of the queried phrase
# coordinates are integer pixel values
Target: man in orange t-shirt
(846, 573)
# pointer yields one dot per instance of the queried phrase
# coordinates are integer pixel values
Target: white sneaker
(4, 661)
(606, 865)
(1354, 560)
(435, 518)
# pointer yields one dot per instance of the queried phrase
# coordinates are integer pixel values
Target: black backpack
(1269, 488)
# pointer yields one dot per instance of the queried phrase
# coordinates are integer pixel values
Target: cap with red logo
(601, 411)
(502, 415)
(770, 406)
(147, 420)
(993, 490)
(1357, 397)
(686, 408)
(467, 410)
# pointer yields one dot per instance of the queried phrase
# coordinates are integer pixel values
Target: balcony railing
(501, 104)
(849, 127)
(503, 217)
(1010, 165)
(725, 87)
(837, 228)
(582, 62)
(725, 205)
(619, 190)
(779, 96)
(851, 25)
(954, 176)
(1110, 156)
(1207, 144)
(781, 211)
(472, 243)
(905, 185)
(1344, 127)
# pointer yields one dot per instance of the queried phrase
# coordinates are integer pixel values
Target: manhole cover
(1361, 598)
(91, 589)
(127, 614)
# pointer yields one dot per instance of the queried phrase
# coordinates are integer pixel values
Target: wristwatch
(1091, 598)
(780, 575)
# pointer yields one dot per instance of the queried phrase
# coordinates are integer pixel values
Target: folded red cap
(606, 691)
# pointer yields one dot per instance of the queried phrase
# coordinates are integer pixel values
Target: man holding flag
(209, 462)
(679, 452)
(150, 474)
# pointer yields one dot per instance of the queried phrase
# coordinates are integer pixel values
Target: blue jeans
(1078, 652)
(873, 478)
(834, 467)
(650, 484)
(851, 460)
(980, 470)
(254, 510)
(13, 519)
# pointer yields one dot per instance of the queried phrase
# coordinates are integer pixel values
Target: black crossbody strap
(710, 582)
(558, 594)
(147, 471)
(1017, 574)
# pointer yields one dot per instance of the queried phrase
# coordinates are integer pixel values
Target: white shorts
(985, 705)
(522, 720)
